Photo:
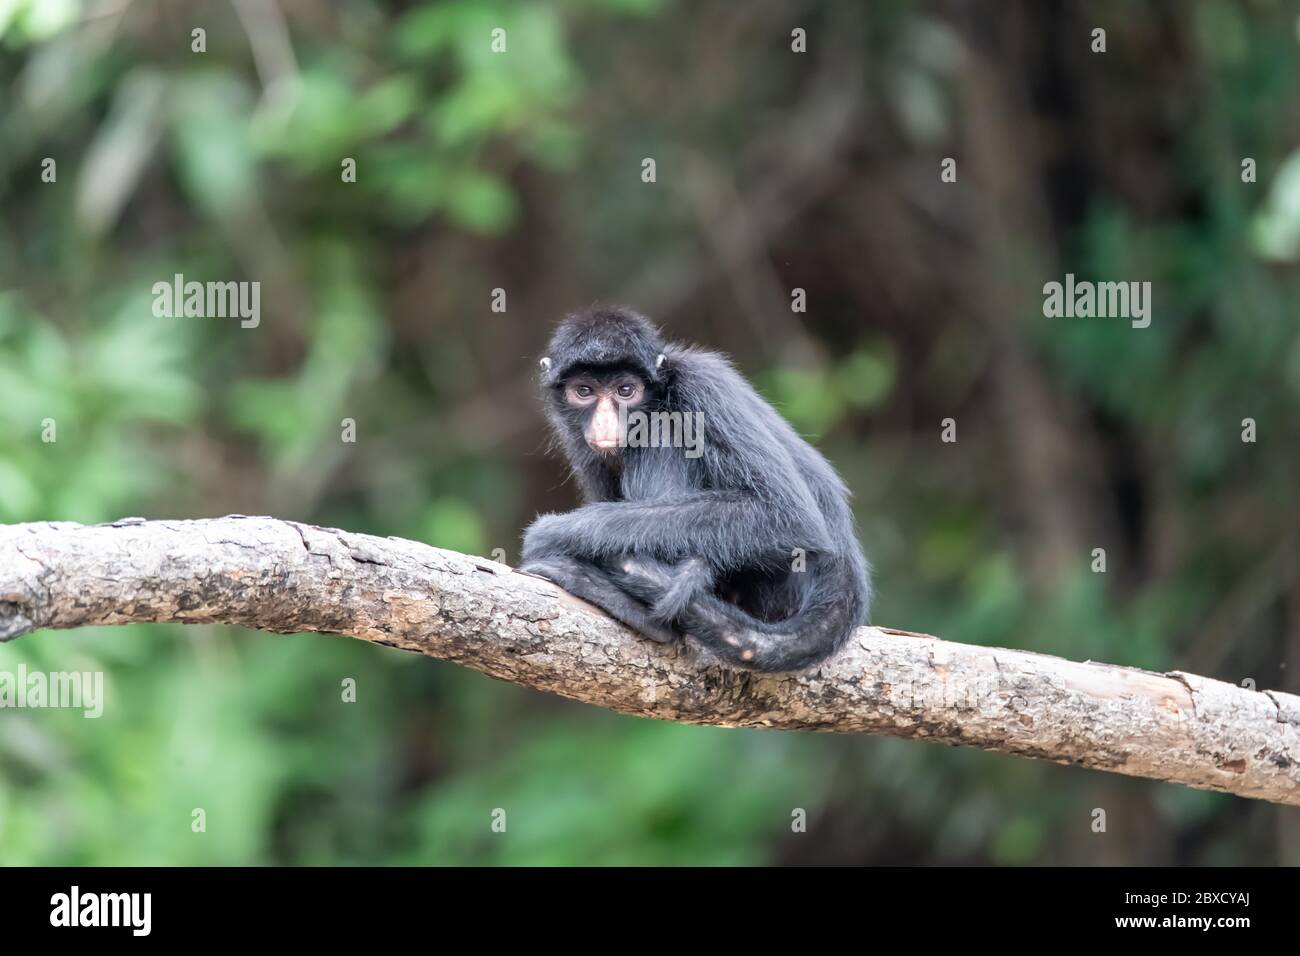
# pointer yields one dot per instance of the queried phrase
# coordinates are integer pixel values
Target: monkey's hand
(592, 583)
(669, 589)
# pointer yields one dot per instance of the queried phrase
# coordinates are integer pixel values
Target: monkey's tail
(837, 606)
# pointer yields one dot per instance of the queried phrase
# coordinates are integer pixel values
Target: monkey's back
(749, 446)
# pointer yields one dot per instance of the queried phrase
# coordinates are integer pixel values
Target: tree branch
(286, 577)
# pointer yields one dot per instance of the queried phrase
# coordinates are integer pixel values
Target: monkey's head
(597, 361)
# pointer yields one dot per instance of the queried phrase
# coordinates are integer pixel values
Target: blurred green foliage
(478, 171)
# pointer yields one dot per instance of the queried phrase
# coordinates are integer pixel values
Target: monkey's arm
(729, 529)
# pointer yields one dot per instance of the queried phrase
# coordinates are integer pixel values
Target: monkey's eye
(626, 390)
(579, 393)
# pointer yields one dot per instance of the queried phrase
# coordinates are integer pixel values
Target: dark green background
(522, 172)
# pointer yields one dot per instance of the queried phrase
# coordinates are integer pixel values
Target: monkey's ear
(659, 361)
(545, 363)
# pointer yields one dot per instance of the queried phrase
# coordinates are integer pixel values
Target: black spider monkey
(747, 545)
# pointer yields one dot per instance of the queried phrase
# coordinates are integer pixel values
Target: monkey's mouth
(606, 446)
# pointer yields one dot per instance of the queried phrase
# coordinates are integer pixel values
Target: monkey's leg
(591, 583)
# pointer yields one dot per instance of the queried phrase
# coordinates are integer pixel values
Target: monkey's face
(596, 400)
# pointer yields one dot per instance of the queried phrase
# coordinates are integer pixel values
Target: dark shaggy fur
(704, 547)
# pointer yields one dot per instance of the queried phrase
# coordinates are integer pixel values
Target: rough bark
(286, 577)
